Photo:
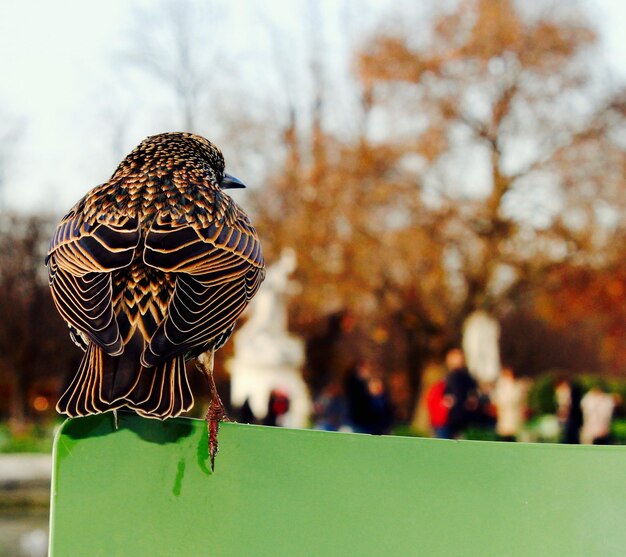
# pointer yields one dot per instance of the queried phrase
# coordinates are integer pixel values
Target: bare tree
(34, 342)
(10, 134)
(177, 45)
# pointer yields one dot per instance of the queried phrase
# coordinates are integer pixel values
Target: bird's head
(177, 150)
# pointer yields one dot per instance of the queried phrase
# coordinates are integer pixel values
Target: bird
(149, 270)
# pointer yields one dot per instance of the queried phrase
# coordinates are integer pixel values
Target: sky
(62, 78)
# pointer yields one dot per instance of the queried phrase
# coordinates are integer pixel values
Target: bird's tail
(106, 382)
(162, 391)
(93, 388)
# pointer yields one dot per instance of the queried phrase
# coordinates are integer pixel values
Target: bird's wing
(80, 260)
(218, 267)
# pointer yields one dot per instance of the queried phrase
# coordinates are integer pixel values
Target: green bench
(146, 489)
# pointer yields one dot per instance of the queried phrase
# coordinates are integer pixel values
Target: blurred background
(421, 166)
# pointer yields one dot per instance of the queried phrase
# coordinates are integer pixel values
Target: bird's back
(154, 264)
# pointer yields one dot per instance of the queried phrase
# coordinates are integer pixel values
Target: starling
(149, 270)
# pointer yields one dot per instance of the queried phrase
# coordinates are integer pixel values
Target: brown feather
(150, 267)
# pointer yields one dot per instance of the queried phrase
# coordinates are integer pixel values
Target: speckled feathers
(150, 268)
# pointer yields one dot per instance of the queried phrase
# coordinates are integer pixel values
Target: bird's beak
(230, 182)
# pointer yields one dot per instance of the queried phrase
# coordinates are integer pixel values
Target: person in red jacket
(438, 409)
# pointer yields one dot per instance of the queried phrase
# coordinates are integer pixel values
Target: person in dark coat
(460, 394)
(369, 409)
(569, 396)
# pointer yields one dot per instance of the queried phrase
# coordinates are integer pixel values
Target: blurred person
(568, 397)
(460, 394)
(438, 409)
(509, 399)
(597, 408)
(485, 413)
(331, 413)
(357, 395)
(432, 372)
(380, 408)
(246, 415)
(277, 407)
(369, 410)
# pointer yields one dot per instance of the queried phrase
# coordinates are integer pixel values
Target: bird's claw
(214, 416)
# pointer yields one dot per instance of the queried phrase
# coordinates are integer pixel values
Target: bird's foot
(214, 416)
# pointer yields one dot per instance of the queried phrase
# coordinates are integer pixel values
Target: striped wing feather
(216, 276)
(80, 260)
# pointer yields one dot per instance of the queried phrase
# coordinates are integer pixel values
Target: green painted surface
(146, 490)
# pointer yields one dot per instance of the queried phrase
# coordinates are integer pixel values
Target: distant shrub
(541, 399)
(34, 439)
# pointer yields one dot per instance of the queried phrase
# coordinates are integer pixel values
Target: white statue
(267, 356)
(481, 334)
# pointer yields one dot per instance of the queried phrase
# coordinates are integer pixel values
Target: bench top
(146, 489)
